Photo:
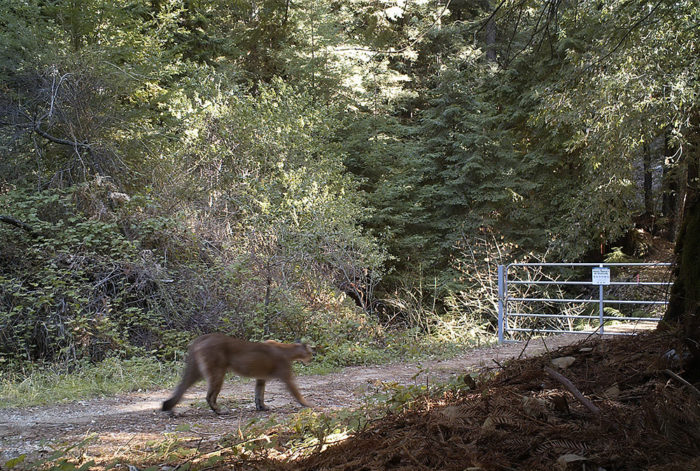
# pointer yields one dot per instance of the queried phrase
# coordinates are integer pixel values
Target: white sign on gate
(600, 276)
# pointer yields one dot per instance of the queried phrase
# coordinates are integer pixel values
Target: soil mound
(635, 412)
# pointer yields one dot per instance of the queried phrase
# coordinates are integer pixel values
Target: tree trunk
(684, 303)
(670, 200)
(491, 40)
(648, 185)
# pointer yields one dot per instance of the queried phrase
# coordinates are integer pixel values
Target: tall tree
(684, 303)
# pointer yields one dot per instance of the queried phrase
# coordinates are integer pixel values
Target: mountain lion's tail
(190, 376)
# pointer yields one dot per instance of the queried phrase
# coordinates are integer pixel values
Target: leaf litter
(512, 417)
(521, 418)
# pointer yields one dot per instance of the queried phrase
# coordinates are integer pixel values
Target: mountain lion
(211, 356)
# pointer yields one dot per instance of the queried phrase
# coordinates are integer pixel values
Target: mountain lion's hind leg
(190, 376)
(214, 383)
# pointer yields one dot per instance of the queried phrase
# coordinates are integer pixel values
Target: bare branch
(493, 13)
(573, 390)
(57, 140)
(24, 226)
(678, 378)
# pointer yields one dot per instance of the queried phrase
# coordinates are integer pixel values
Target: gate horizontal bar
(556, 331)
(571, 316)
(558, 316)
(596, 301)
(589, 283)
(657, 264)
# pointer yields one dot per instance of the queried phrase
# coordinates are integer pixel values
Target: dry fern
(563, 446)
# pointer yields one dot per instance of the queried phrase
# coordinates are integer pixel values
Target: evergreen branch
(408, 46)
(619, 44)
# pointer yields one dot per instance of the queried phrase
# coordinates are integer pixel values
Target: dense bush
(77, 287)
(190, 166)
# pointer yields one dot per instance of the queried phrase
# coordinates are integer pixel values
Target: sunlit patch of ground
(127, 424)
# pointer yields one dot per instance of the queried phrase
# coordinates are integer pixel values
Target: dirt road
(129, 421)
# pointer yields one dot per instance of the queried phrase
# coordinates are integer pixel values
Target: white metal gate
(516, 313)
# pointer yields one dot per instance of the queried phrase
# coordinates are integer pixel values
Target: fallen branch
(14, 222)
(573, 390)
(58, 140)
(592, 333)
(526, 344)
(673, 375)
(413, 458)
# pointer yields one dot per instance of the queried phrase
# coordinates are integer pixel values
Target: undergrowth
(36, 385)
(270, 437)
(48, 384)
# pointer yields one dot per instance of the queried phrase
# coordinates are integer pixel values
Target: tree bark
(670, 191)
(684, 303)
(648, 184)
(491, 40)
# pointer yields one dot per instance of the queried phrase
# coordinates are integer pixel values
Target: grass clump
(400, 346)
(49, 384)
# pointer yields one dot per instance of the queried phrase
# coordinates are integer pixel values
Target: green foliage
(48, 285)
(540, 146)
(67, 457)
(616, 255)
(194, 166)
(43, 384)
(610, 114)
(301, 433)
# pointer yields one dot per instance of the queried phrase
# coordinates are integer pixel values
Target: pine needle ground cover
(524, 419)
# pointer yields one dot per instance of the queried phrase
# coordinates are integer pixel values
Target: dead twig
(22, 225)
(592, 333)
(413, 458)
(549, 353)
(526, 344)
(678, 378)
(188, 460)
(573, 390)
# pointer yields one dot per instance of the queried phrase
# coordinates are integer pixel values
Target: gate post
(601, 309)
(500, 303)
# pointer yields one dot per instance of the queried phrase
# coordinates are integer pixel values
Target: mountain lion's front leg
(292, 387)
(260, 395)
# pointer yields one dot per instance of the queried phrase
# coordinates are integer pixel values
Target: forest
(348, 173)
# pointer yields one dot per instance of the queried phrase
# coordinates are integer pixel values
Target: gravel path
(128, 422)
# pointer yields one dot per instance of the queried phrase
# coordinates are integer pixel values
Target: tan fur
(211, 356)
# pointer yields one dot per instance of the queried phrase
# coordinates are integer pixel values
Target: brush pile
(627, 406)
